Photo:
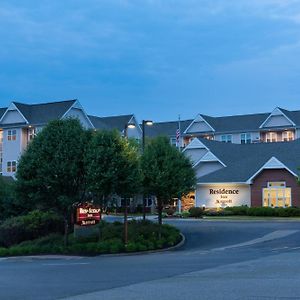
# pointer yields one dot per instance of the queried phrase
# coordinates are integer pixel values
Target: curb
(53, 256)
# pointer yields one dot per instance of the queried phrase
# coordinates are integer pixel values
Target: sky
(154, 58)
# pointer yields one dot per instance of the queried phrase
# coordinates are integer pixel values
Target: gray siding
(207, 167)
(195, 154)
(199, 127)
(78, 114)
(13, 116)
(277, 121)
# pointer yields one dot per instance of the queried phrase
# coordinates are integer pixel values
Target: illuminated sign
(87, 215)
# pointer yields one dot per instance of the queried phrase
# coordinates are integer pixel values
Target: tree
(8, 204)
(50, 173)
(166, 172)
(112, 166)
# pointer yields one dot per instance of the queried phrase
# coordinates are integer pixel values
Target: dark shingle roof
(166, 128)
(108, 123)
(236, 123)
(44, 112)
(2, 111)
(242, 161)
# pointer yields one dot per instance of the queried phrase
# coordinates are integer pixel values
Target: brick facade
(261, 181)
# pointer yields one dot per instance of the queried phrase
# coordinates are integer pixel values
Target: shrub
(28, 227)
(238, 210)
(143, 235)
(196, 212)
(185, 214)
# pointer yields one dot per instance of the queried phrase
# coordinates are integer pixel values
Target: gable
(199, 127)
(195, 154)
(205, 168)
(199, 124)
(277, 119)
(12, 117)
(272, 164)
(77, 113)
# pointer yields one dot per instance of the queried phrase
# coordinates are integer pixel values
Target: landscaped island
(42, 233)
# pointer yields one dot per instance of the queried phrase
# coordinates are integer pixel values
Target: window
(173, 141)
(11, 166)
(226, 138)
(12, 135)
(246, 138)
(149, 201)
(31, 133)
(277, 195)
(287, 136)
(271, 137)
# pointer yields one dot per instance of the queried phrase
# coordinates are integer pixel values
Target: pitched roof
(2, 111)
(166, 128)
(108, 123)
(243, 161)
(44, 112)
(236, 123)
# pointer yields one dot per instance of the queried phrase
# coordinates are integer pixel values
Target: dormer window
(12, 135)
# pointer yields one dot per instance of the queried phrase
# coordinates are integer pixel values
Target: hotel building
(239, 160)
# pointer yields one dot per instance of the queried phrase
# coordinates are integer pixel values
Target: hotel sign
(87, 215)
(224, 195)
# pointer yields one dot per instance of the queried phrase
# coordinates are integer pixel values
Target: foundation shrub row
(264, 211)
(198, 212)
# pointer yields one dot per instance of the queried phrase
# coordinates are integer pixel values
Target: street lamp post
(144, 124)
(128, 125)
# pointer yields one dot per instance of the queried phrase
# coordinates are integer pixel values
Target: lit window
(246, 138)
(31, 133)
(271, 137)
(226, 138)
(11, 166)
(277, 195)
(287, 136)
(12, 135)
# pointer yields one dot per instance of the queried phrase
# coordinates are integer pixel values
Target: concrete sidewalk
(274, 277)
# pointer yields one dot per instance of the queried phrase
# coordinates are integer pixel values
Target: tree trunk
(159, 208)
(144, 208)
(101, 213)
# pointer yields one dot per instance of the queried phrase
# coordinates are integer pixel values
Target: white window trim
(277, 188)
(226, 138)
(246, 133)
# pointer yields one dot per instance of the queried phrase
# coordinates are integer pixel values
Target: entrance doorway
(277, 195)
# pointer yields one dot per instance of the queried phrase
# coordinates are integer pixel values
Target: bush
(238, 210)
(143, 235)
(28, 227)
(196, 212)
(185, 214)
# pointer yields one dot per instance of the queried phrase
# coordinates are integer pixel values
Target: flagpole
(178, 145)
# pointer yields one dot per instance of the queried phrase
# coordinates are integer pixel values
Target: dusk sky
(154, 58)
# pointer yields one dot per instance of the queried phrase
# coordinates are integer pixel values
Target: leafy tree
(50, 173)
(8, 203)
(112, 166)
(167, 173)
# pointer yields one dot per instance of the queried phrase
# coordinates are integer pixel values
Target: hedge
(264, 211)
(28, 227)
